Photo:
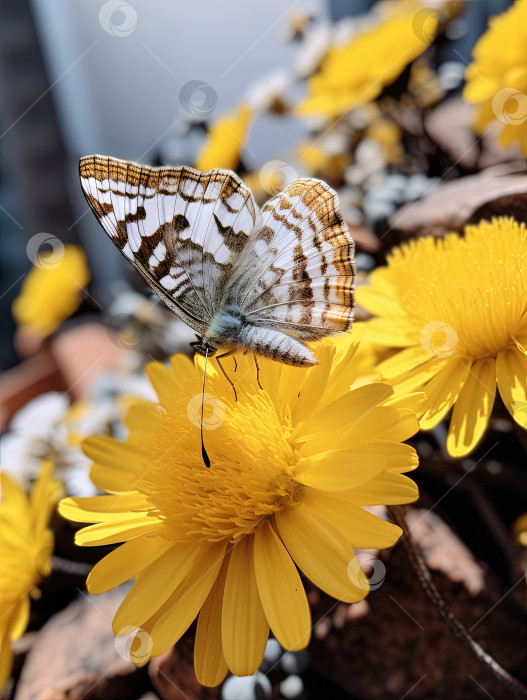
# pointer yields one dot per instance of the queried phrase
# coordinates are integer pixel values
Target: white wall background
(120, 94)
(117, 68)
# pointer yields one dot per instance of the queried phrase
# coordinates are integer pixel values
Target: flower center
(465, 296)
(286, 492)
(248, 480)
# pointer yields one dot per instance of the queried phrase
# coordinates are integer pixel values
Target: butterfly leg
(257, 371)
(227, 354)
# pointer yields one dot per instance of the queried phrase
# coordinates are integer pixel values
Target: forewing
(181, 229)
(297, 273)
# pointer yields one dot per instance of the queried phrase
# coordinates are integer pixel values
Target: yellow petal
(244, 627)
(166, 382)
(511, 373)
(521, 344)
(20, 618)
(154, 586)
(385, 423)
(102, 508)
(415, 378)
(443, 390)
(345, 412)
(6, 660)
(472, 409)
(388, 489)
(403, 361)
(343, 366)
(520, 337)
(379, 302)
(321, 552)
(361, 528)
(188, 599)
(288, 388)
(117, 464)
(129, 525)
(125, 562)
(141, 417)
(271, 373)
(398, 455)
(182, 366)
(416, 401)
(281, 591)
(209, 662)
(397, 332)
(315, 383)
(44, 496)
(340, 470)
(379, 423)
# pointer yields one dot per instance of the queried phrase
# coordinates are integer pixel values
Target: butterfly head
(203, 346)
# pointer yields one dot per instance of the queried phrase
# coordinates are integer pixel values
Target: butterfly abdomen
(230, 327)
(276, 345)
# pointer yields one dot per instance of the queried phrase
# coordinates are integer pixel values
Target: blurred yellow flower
(355, 73)
(497, 77)
(292, 466)
(26, 545)
(320, 162)
(424, 84)
(225, 141)
(51, 291)
(458, 307)
(388, 135)
(520, 530)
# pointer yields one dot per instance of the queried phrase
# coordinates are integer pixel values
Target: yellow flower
(225, 141)
(520, 530)
(388, 135)
(292, 466)
(458, 307)
(26, 545)
(355, 73)
(497, 78)
(424, 85)
(321, 162)
(51, 291)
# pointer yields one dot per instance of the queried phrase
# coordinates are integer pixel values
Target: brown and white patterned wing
(180, 228)
(297, 273)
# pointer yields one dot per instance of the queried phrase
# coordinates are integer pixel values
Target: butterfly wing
(181, 229)
(297, 272)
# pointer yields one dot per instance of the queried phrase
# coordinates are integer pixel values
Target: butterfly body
(266, 280)
(231, 329)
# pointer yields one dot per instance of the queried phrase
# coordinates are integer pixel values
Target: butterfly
(265, 280)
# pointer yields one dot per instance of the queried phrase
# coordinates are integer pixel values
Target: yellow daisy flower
(458, 307)
(292, 466)
(51, 291)
(497, 77)
(225, 141)
(26, 545)
(355, 73)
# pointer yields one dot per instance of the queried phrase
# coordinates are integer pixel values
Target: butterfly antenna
(204, 454)
(257, 372)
